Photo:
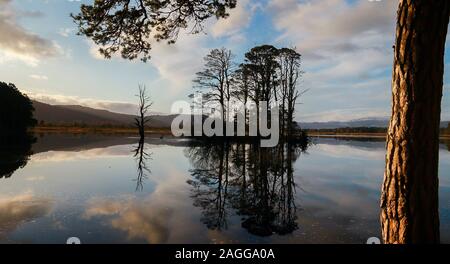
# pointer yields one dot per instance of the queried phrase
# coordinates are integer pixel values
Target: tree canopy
(267, 74)
(16, 110)
(128, 26)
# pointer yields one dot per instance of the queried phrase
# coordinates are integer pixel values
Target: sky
(346, 47)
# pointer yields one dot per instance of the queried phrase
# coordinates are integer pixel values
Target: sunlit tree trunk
(409, 200)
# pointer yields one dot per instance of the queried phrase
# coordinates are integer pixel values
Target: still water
(110, 189)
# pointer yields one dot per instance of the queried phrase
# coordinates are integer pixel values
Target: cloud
(344, 115)
(140, 220)
(66, 32)
(178, 63)
(39, 77)
(153, 217)
(20, 209)
(87, 154)
(55, 99)
(322, 28)
(238, 20)
(347, 51)
(17, 43)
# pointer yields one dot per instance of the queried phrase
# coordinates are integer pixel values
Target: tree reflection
(255, 183)
(15, 152)
(210, 182)
(141, 156)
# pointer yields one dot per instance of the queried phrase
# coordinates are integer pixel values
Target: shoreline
(168, 132)
(101, 130)
(359, 135)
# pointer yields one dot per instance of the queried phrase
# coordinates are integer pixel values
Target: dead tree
(144, 106)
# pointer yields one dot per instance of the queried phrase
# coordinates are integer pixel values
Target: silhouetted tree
(262, 65)
(216, 79)
(144, 105)
(289, 71)
(241, 86)
(16, 110)
(128, 26)
(409, 200)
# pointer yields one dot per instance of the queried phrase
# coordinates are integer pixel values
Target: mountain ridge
(76, 114)
(82, 115)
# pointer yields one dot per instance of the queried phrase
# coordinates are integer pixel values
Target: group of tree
(267, 74)
(16, 117)
(16, 111)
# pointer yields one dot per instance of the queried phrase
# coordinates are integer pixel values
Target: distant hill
(70, 114)
(366, 122)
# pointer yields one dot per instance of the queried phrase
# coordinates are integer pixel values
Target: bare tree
(144, 106)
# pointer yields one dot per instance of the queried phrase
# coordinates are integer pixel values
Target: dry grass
(100, 130)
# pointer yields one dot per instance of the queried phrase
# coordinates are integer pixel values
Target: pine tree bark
(409, 200)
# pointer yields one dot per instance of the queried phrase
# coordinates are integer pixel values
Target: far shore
(100, 130)
(167, 132)
(357, 135)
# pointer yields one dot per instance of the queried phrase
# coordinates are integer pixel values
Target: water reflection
(141, 156)
(139, 219)
(15, 152)
(257, 183)
(237, 192)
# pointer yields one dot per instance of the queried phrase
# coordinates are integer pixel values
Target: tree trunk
(409, 200)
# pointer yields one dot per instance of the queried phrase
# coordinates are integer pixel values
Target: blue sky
(346, 48)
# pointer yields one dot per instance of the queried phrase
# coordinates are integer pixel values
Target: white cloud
(346, 48)
(238, 20)
(344, 115)
(66, 32)
(94, 51)
(178, 63)
(17, 43)
(321, 28)
(39, 77)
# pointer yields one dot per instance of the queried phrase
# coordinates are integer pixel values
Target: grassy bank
(357, 134)
(100, 130)
(166, 131)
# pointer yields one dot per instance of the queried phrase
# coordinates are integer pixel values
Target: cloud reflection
(139, 219)
(20, 209)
